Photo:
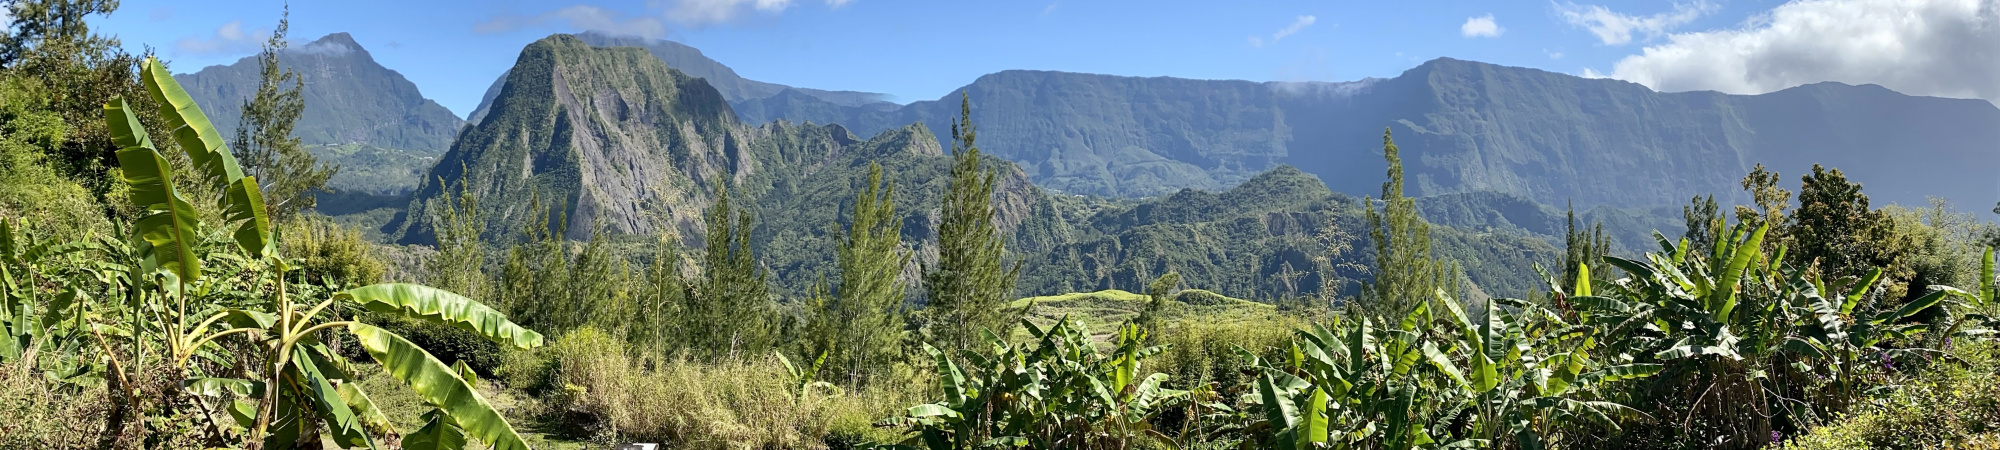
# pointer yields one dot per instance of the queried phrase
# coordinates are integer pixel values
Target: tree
(35, 23)
(1407, 273)
(49, 44)
(1835, 230)
(1583, 247)
(290, 175)
(1771, 201)
(857, 327)
(729, 312)
(1157, 294)
(1704, 224)
(969, 284)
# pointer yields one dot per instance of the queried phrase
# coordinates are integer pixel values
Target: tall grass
(596, 391)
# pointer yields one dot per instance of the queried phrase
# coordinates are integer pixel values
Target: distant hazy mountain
(349, 98)
(688, 60)
(365, 118)
(1462, 126)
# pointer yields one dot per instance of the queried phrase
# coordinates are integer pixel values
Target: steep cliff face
(1462, 126)
(692, 62)
(612, 140)
(598, 134)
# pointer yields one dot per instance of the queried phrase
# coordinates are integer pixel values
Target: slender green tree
(1772, 202)
(969, 284)
(1584, 246)
(289, 174)
(1157, 294)
(1704, 224)
(857, 327)
(1407, 272)
(730, 313)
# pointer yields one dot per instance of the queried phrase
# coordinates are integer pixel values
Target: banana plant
(1514, 377)
(296, 385)
(805, 380)
(1054, 391)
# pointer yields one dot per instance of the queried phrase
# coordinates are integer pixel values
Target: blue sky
(920, 50)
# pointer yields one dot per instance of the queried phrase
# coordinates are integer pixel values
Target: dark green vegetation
(795, 286)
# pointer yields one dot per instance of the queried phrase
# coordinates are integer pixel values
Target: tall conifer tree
(970, 283)
(730, 313)
(289, 174)
(1406, 274)
(857, 327)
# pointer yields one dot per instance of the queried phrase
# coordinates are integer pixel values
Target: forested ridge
(612, 255)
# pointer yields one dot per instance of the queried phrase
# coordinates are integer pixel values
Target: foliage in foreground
(193, 326)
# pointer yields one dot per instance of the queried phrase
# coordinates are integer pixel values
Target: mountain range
(362, 116)
(1462, 126)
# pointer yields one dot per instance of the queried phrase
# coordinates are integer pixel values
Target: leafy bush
(1955, 406)
(35, 413)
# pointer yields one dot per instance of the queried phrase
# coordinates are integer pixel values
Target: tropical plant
(1057, 391)
(233, 327)
(1761, 343)
(1515, 377)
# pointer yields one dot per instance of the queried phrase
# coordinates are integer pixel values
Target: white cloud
(1948, 48)
(1482, 26)
(1553, 55)
(651, 25)
(703, 12)
(582, 17)
(1297, 25)
(1051, 9)
(1613, 28)
(229, 38)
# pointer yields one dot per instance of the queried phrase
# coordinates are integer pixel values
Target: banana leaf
(169, 231)
(192, 130)
(438, 305)
(436, 383)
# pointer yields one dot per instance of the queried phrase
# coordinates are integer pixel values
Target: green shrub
(332, 254)
(37, 414)
(1952, 406)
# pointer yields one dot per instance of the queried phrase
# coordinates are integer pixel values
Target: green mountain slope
(691, 61)
(622, 144)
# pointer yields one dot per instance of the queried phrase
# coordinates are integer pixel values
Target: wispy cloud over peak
(581, 17)
(1298, 24)
(228, 38)
(1613, 28)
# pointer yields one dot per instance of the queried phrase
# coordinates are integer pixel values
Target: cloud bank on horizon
(230, 38)
(1945, 48)
(651, 25)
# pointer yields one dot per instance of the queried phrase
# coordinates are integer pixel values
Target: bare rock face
(609, 139)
